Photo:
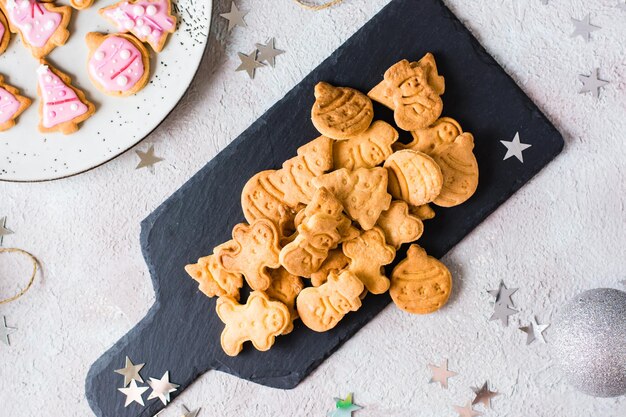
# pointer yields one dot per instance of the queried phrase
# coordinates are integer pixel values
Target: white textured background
(562, 233)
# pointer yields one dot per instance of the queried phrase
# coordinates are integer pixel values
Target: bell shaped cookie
(341, 112)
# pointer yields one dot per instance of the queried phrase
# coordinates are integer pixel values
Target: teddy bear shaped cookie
(368, 253)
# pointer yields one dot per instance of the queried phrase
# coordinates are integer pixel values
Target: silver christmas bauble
(589, 341)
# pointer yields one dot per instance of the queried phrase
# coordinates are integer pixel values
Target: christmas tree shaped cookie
(149, 20)
(41, 25)
(5, 34)
(62, 106)
(11, 105)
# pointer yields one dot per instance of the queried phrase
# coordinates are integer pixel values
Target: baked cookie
(261, 200)
(368, 253)
(118, 64)
(413, 177)
(151, 21)
(459, 169)
(321, 308)
(5, 33)
(12, 104)
(81, 4)
(335, 262)
(41, 25)
(259, 321)
(412, 90)
(341, 112)
(62, 106)
(214, 280)
(285, 287)
(363, 193)
(253, 249)
(322, 229)
(423, 212)
(367, 149)
(435, 137)
(399, 226)
(420, 284)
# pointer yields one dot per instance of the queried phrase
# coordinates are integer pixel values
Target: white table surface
(561, 234)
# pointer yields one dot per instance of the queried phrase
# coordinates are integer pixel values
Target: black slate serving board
(181, 332)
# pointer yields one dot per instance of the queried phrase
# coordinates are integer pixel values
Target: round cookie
(420, 284)
(460, 171)
(341, 112)
(118, 64)
(413, 177)
(5, 33)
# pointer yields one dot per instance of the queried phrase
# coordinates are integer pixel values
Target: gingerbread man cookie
(322, 308)
(367, 149)
(285, 287)
(412, 91)
(420, 284)
(41, 25)
(368, 253)
(363, 193)
(435, 137)
(459, 169)
(62, 107)
(12, 104)
(151, 21)
(399, 226)
(214, 280)
(335, 262)
(322, 229)
(5, 33)
(341, 112)
(253, 249)
(118, 64)
(259, 321)
(413, 177)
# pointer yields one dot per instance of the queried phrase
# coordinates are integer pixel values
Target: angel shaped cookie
(259, 321)
(412, 90)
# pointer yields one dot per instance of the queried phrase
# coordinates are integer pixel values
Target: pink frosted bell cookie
(12, 104)
(149, 20)
(41, 25)
(62, 107)
(118, 65)
(5, 34)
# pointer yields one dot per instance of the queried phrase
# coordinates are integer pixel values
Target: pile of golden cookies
(336, 213)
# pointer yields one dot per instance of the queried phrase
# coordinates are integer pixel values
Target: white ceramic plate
(119, 123)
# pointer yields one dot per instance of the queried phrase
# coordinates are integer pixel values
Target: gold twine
(32, 277)
(317, 7)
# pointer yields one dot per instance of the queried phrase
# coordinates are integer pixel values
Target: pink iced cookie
(119, 64)
(149, 20)
(62, 106)
(12, 104)
(5, 35)
(42, 26)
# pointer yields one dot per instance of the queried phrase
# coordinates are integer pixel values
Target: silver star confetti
(147, 159)
(268, 52)
(583, 28)
(591, 83)
(249, 63)
(130, 372)
(503, 294)
(133, 393)
(467, 411)
(441, 374)
(502, 312)
(6, 331)
(483, 395)
(161, 388)
(3, 230)
(534, 331)
(515, 148)
(188, 413)
(234, 17)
